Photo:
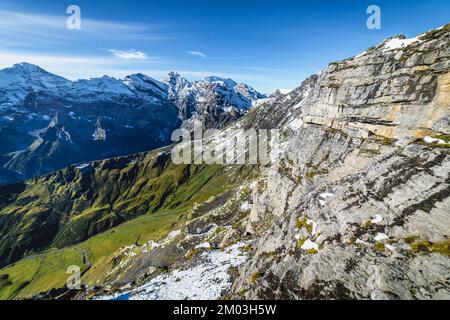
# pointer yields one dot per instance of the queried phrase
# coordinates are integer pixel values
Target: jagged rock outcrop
(213, 101)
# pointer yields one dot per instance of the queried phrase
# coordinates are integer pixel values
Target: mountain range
(355, 207)
(48, 122)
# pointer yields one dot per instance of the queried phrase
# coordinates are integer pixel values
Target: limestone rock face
(358, 205)
(396, 93)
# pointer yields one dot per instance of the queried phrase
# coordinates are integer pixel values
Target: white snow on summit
(24, 81)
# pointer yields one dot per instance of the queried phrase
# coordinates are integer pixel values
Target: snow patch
(360, 55)
(297, 124)
(99, 133)
(82, 166)
(323, 197)
(245, 206)
(149, 246)
(381, 237)
(204, 245)
(377, 219)
(390, 247)
(359, 241)
(285, 91)
(63, 134)
(205, 280)
(173, 234)
(313, 224)
(397, 43)
(310, 245)
(428, 139)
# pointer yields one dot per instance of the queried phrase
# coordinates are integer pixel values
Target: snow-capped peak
(23, 80)
(175, 81)
(30, 75)
(27, 67)
(143, 82)
(249, 92)
(103, 84)
(226, 81)
(173, 76)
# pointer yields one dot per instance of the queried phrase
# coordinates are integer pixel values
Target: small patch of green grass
(246, 248)
(303, 223)
(242, 292)
(262, 186)
(425, 246)
(411, 239)
(255, 277)
(379, 247)
(218, 231)
(443, 137)
(367, 225)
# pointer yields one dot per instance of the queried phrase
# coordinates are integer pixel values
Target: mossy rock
(246, 248)
(379, 247)
(425, 246)
(192, 253)
(443, 137)
(302, 223)
(255, 277)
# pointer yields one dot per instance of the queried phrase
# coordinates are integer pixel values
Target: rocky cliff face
(390, 90)
(358, 206)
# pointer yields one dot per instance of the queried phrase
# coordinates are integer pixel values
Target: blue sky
(268, 44)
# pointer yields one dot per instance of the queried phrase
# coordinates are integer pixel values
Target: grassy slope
(167, 196)
(48, 270)
(70, 206)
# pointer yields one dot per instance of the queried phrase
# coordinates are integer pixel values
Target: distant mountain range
(48, 122)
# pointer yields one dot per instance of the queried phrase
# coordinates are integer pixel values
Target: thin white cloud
(26, 30)
(198, 54)
(129, 54)
(76, 67)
